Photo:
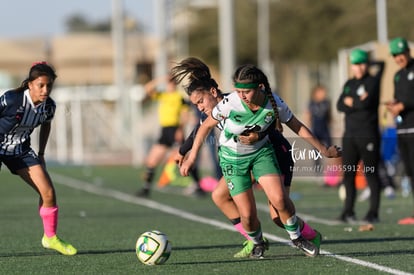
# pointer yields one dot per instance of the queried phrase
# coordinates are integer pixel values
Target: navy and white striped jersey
(188, 143)
(18, 118)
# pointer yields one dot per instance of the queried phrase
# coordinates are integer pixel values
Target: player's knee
(219, 197)
(48, 196)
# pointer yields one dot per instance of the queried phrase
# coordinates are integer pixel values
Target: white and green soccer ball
(153, 248)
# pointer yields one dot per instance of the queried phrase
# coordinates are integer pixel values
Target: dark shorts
(24, 160)
(282, 149)
(167, 137)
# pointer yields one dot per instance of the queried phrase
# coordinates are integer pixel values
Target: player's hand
(348, 101)
(332, 151)
(395, 108)
(178, 158)
(250, 138)
(186, 167)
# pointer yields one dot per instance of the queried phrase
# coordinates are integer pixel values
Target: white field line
(308, 218)
(94, 189)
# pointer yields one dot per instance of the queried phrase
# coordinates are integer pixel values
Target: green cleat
(248, 247)
(58, 245)
(317, 240)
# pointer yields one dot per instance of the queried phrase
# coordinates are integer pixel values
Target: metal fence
(92, 127)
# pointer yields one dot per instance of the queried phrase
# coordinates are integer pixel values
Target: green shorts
(237, 169)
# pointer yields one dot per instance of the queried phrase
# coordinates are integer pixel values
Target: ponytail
(278, 124)
(196, 74)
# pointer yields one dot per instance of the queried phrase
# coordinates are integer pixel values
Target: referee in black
(359, 102)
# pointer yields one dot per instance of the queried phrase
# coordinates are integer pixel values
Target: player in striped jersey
(21, 111)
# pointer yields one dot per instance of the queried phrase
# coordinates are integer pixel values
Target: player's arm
(380, 65)
(186, 146)
(253, 137)
(43, 138)
(205, 128)
(342, 105)
(301, 130)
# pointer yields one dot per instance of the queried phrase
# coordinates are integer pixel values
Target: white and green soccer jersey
(239, 119)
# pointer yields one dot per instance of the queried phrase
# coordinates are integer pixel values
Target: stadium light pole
(382, 30)
(226, 41)
(161, 66)
(118, 65)
(263, 33)
(263, 40)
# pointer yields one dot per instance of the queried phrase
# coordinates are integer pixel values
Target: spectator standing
(319, 110)
(402, 108)
(359, 101)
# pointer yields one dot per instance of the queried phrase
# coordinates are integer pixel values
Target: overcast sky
(28, 18)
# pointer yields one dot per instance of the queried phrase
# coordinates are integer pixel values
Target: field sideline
(344, 250)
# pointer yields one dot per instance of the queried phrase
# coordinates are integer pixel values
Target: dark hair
(38, 69)
(250, 74)
(197, 73)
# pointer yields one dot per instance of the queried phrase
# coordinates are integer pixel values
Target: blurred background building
(101, 66)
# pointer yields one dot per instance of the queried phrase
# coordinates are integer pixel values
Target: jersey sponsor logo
(250, 128)
(237, 118)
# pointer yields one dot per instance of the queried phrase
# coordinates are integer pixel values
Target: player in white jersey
(251, 109)
(21, 111)
(204, 93)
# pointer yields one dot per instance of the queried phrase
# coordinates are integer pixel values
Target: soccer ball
(153, 248)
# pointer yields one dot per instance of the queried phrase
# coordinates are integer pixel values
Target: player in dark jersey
(205, 94)
(21, 111)
(359, 101)
(402, 108)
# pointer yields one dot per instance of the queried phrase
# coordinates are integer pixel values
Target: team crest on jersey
(397, 78)
(410, 76)
(220, 116)
(230, 185)
(20, 113)
(347, 90)
(361, 90)
(269, 117)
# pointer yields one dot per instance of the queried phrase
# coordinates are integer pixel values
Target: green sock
(256, 236)
(292, 227)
